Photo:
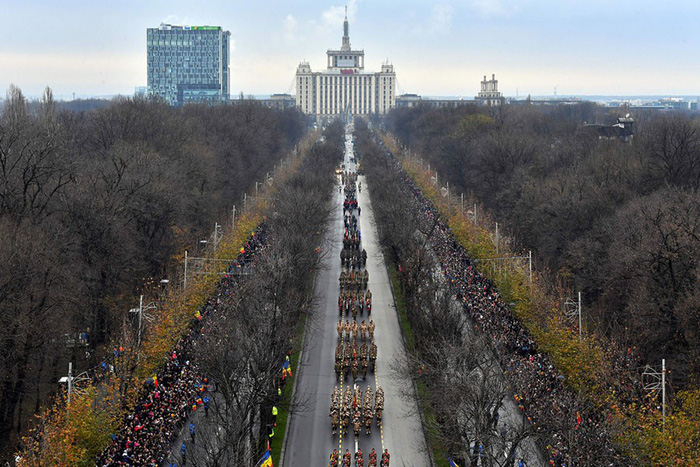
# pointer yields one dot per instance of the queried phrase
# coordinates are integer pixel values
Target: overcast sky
(98, 47)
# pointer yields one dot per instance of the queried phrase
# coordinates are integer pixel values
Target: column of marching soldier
(354, 299)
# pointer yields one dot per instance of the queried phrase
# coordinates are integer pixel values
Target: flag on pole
(265, 460)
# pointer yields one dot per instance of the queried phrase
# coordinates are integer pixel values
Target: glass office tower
(188, 63)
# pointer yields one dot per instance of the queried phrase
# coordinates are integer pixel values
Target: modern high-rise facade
(188, 63)
(345, 89)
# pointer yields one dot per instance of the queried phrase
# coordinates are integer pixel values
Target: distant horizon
(586, 97)
(574, 48)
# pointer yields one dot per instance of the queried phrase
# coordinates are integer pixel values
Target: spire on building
(346, 33)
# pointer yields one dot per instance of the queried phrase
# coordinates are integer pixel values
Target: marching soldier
(348, 329)
(359, 461)
(385, 458)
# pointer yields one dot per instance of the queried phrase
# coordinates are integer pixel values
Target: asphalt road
(309, 441)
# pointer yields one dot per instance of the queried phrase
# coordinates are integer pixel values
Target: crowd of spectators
(169, 399)
(570, 430)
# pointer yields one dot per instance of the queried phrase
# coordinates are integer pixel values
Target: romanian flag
(265, 460)
(451, 462)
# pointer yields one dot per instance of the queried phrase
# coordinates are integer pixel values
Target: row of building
(188, 64)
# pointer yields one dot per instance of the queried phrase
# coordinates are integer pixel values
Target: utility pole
(448, 199)
(140, 311)
(474, 213)
(496, 238)
(462, 196)
(529, 259)
(653, 382)
(138, 340)
(663, 393)
(245, 202)
(579, 316)
(185, 281)
(233, 218)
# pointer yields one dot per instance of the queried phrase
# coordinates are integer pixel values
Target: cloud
(333, 17)
(290, 28)
(488, 7)
(441, 18)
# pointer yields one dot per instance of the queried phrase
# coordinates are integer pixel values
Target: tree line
(93, 205)
(617, 221)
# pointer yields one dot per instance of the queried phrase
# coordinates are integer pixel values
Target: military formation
(349, 360)
(346, 460)
(354, 406)
(356, 352)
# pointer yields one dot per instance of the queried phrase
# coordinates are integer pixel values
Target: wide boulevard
(309, 440)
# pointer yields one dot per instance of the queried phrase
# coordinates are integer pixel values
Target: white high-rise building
(345, 89)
